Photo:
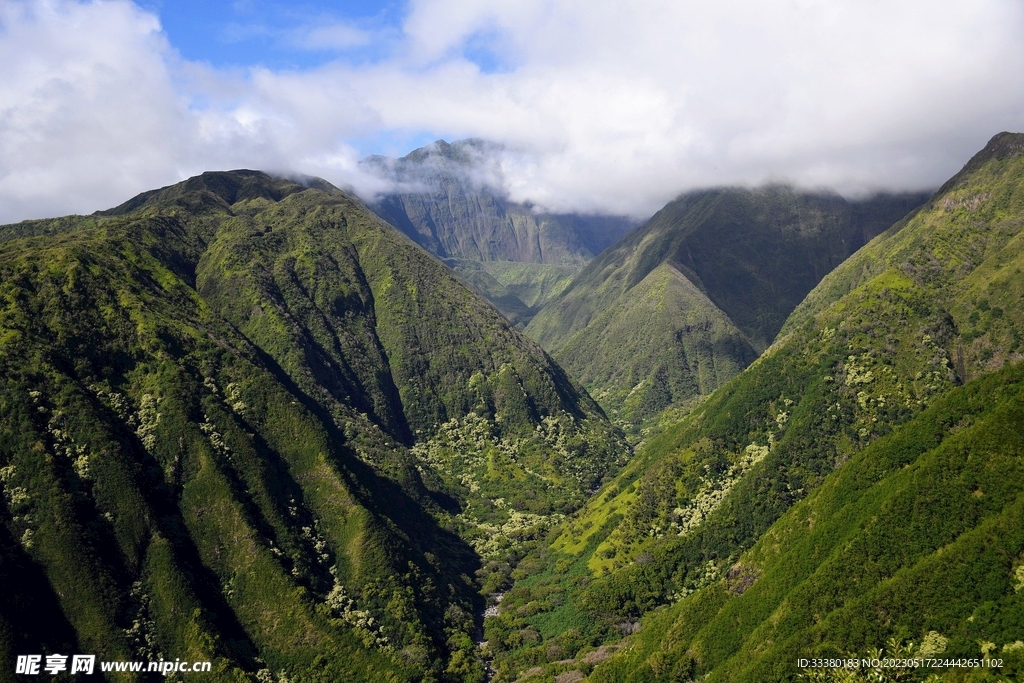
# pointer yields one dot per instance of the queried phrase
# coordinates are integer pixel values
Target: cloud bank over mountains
(597, 105)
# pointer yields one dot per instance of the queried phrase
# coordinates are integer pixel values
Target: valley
(260, 422)
(855, 432)
(688, 300)
(228, 414)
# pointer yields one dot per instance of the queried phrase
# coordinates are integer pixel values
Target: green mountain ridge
(917, 538)
(677, 345)
(224, 409)
(844, 493)
(749, 257)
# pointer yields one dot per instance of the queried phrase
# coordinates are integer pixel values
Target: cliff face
(449, 207)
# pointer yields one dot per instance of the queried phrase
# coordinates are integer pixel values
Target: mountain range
(244, 419)
(854, 493)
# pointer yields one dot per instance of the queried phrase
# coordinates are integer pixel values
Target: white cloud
(83, 91)
(95, 106)
(600, 104)
(620, 105)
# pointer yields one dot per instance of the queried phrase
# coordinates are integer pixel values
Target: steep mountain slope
(912, 524)
(448, 206)
(224, 408)
(661, 343)
(965, 250)
(743, 260)
(919, 537)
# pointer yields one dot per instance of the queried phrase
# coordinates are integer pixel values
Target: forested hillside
(857, 487)
(243, 420)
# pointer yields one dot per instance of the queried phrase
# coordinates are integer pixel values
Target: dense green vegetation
(662, 343)
(224, 408)
(447, 203)
(840, 492)
(681, 305)
(918, 533)
(963, 249)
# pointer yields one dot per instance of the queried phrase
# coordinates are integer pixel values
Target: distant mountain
(682, 304)
(449, 202)
(243, 420)
(856, 491)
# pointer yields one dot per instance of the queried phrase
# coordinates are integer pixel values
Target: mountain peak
(1003, 145)
(229, 187)
(465, 151)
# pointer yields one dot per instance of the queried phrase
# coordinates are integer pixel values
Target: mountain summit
(449, 200)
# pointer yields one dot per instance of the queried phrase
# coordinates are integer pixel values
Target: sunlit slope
(214, 402)
(748, 256)
(964, 247)
(933, 301)
(919, 533)
(702, 490)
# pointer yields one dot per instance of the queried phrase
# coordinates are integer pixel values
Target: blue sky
(597, 105)
(263, 32)
(277, 35)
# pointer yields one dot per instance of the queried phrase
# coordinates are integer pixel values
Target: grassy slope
(207, 398)
(919, 532)
(867, 355)
(129, 508)
(964, 246)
